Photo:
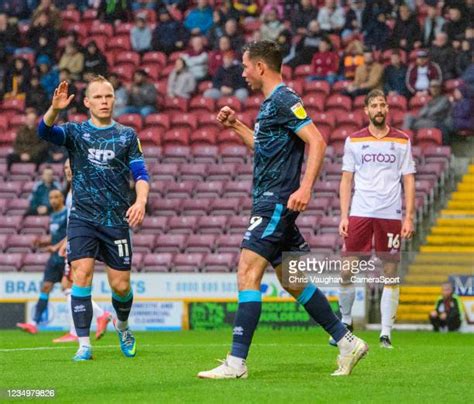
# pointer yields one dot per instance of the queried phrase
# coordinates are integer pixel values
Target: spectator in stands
(228, 12)
(169, 35)
(432, 26)
(368, 76)
(217, 29)
(41, 28)
(114, 10)
(73, 60)
(456, 24)
(353, 24)
(448, 310)
(17, 79)
(284, 40)
(199, 20)
(325, 63)
(15, 8)
(9, 37)
(406, 31)
(181, 83)
(421, 73)
(121, 95)
(231, 29)
(228, 80)
(28, 147)
(274, 5)
(443, 54)
(140, 35)
(462, 112)
(377, 34)
(246, 8)
(301, 16)
(175, 8)
(36, 96)
(307, 45)
(95, 62)
(49, 77)
(394, 76)
(463, 58)
(76, 105)
(271, 27)
(39, 198)
(48, 7)
(197, 59)
(142, 96)
(331, 17)
(434, 114)
(44, 46)
(215, 57)
(352, 58)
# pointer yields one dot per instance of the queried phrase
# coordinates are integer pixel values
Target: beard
(377, 122)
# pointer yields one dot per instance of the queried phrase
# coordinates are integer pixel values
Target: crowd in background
(407, 48)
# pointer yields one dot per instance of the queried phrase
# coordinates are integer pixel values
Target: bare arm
(136, 212)
(226, 117)
(409, 187)
(299, 200)
(345, 189)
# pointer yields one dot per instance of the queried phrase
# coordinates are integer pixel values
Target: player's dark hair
(268, 51)
(374, 94)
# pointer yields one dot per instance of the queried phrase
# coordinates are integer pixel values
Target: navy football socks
(41, 306)
(81, 307)
(122, 305)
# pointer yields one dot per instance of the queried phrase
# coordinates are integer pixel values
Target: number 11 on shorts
(122, 246)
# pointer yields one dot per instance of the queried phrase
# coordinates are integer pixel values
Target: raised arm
(226, 117)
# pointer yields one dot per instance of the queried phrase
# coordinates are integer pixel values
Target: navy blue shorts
(273, 231)
(111, 245)
(54, 270)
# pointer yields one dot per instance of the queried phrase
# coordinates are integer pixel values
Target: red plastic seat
(339, 135)
(208, 120)
(16, 207)
(13, 105)
(205, 153)
(232, 102)
(157, 120)
(195, 171)
(202, 104)
(233, 153)
(158, 58)
(35, 225)
(226, 206)
(154, 225)
(20, 243)
(176, 154)
(165, 207)
(340, 86)
(296, 85)
(143, 243)
(196, 207)
(220, 171)
(133, 120)
(332, 171)
(204, 136)
(176, 137)
(119, 43)
(157, 262)
(22, 172)
(209, 189)
(16, 121)
(212, 224)
(200, 243)
(244, 172)
(223, 262)
(318, 206)
(187, 120)
(151, 135)
(302, 71)
(314, 103)
(180, 190)
(11, 190)
(429, 136)
(35, 262)
(11, 262)
(70, 16)
(175, 104)
(173, 243)
(338, 102)
(329, 224)
(286, 72)
(354, 118)
(308, 223)
(397, 102)
(182, 224)
(237, 188)
(238, 225)
(229, 137)
(153, 71)
(127, 57)
(125, 72)
(417, 102)
(320, 88)
(326, 188)
(101, 28)
(187, 262)
(226, 243)
(324, 242)
(123, 28)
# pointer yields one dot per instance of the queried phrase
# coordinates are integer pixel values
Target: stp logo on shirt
(100, 157)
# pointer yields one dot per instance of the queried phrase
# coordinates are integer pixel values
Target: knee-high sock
(41, 306)
(317, 306)
(122, 306)
(97, 310)
(72, 328)
(246, 321)
(81, 306)
(346, 301)
(388, 308)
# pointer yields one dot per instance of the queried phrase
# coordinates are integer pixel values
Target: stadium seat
(180, 190)
(397, 102)
(16, 121)
(226, 206)
(208, 120)
(35, 262)
(16, 207)
(223, 262)
(22, 172)
(233, 153)
(302, 72)
(324, 242)
(314, 103)
(164, 171)
(244, 172)
(3, 242)
(234, 189)
(157, 262)
(176, 154)
(101, 28)
(4, 205)
(175, 104)
(339, 86)
(204, 136)
(417, 102)
(187, 120)
(70, 16)
(165, 207)
(20, 243)
(308, 223)
(326, 188)
(339, 135)
(296, 85)
(161, 121)
(3, 123)
(200, 104)
(77, 117)
(355, 118)
(123, 28)
(329, 224)
(253, 103)
(396, 117)
(232, 102)
(238, 225)
(358, 103)
(137, 261)
(429, 136)
(212, 224)
(319, 88)
(119, 43)
(182, 224)
(204, 85)
(204, 153)
(153, 71)
(187, 262)
(217, 172)
(125, 72)
(338, 102)
(127, 58)
(143, 242)
(318, 206)
(209, 189)
(200, 243)
(171, 243)
(176, 137)
(133, 120)
(226, 243)
(10, 190)
(332, 172)
(286, 72)
(35, 225)
(229, 137)
(13, 105)
(158, 58)
(11, 261)
(196, 171)
(154, 225)
(196, 206)
(151, 136)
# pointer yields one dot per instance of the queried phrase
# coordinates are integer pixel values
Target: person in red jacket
(325, 63)
(421, 73)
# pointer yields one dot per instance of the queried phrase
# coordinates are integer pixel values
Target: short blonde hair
(96, 79)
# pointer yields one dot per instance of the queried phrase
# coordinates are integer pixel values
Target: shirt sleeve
(293, 110)
(408, 164)
(136, 160)
(348, 160)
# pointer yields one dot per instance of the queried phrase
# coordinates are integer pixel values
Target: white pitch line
(52, 348)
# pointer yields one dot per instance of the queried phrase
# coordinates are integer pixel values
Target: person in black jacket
(395, 75)
(407, 30)
(448, 310)
(169, 35)
(94, 62)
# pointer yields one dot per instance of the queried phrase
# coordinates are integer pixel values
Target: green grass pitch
(284, 366)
